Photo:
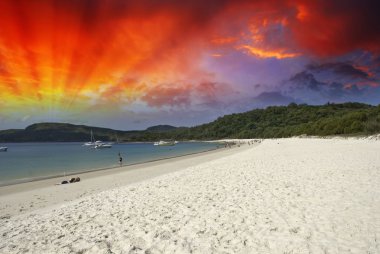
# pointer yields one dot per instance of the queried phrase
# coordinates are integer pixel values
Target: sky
(129, 64)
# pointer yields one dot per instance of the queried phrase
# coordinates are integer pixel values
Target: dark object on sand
(72, 180)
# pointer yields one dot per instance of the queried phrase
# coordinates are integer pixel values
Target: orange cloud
(262, 53)
(223, 41)
(302, 12)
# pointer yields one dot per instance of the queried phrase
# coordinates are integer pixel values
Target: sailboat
(96, 144)
(165, 143)
(92, 142)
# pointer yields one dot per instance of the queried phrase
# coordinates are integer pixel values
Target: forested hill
(293, 120)
(272, 122)
(65, 132)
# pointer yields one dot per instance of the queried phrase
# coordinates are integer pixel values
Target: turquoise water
(28, 161)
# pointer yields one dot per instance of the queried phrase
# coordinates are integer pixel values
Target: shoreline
(70, 173)
(30, 196)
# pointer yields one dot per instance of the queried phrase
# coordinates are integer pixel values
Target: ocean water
(28, 161)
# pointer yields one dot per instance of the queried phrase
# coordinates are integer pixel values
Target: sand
(282, 196)
(30, 196)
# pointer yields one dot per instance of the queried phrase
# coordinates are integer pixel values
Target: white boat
(3, 148)
(97, 144)
(100, 145)
(92, 142)
(88, 144)
(165, 143)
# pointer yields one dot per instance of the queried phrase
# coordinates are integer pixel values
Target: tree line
(271, 122)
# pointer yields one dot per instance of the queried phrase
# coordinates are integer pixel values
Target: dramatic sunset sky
(130, 64)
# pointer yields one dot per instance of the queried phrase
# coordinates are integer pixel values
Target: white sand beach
(282, 196)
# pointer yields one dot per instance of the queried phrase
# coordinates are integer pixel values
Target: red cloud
(337, 27)
(204, 93)
(323, 28)
(167, 96)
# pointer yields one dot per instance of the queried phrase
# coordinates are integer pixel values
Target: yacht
(100, 145)
(97, 144)
(3, 148)
(92, 142)
(165, 143)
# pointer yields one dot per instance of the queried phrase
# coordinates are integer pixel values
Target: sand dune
(283, 196)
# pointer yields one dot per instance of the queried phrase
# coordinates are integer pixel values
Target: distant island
(272, 122)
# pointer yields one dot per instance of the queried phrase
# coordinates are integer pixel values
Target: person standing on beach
(120, 159)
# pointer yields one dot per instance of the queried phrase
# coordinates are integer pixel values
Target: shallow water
(28, 161)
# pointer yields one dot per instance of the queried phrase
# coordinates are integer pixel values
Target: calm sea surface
(28, 161)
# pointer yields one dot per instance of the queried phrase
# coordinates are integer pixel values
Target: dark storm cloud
(344, 69)
(306, 86)
(306, 79)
